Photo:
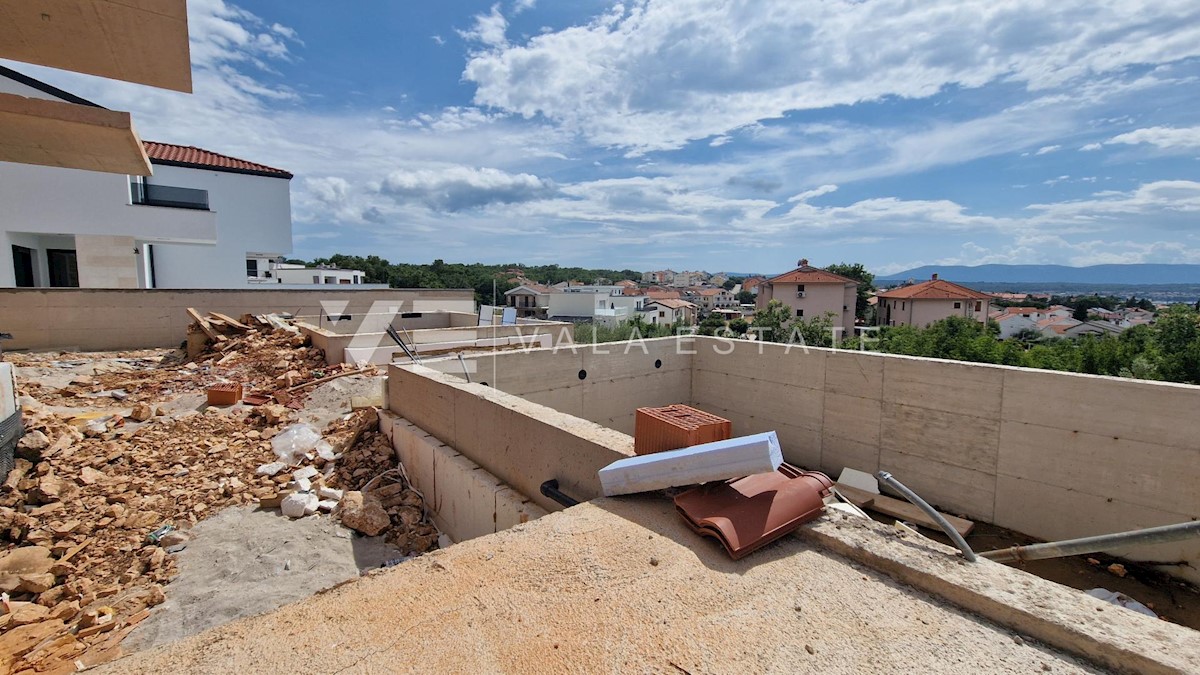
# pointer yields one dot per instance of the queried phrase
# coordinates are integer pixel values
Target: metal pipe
(911, 496)
(550, 489)
(466, 373)
(1104, 542)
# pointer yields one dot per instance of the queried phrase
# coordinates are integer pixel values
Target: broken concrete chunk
(364, 513)
(306, 472)
(299, 504)
(329, 493)
(327, 505)
(270, 469)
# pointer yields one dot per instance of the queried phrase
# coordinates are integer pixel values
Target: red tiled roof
(936, 289)
(712, 291)
(807, 274)
(664, 295)
(627, 283)
(186, 155)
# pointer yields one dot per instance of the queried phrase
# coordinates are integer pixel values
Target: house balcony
(169, 196)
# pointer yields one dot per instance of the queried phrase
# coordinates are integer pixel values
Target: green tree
(712, 324)
(866, 284)
(739, 326)
(771, 323)
(729, 284)
(748, 298)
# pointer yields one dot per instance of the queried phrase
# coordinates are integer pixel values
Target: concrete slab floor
(613, 585)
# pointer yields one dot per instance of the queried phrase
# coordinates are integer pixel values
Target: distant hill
(1055, 274)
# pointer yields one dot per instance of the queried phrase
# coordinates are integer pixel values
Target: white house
(587, 303)
(293, 274)
(530, 299)
(669, 311)
(198, 222)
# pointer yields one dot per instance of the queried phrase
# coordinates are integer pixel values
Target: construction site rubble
(119, 462)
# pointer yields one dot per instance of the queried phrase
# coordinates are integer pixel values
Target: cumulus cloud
(1047, 149)
(458, 188)
(655, 75)
(1165, 138)
(488, 30)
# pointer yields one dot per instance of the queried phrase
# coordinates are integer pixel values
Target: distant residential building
(718, 279)
(659, 277)
(810, 292)
(751, 284)
(626, 283)
(295, 274)
(1057, 327)
(603, 304)
(715, 298)
(669, 311)
(922, 304)
(530, 299)
(1013, 320)
(1092, 328)
(683, 279)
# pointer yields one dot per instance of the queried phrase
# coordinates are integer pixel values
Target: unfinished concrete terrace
(362, 339)
(613, 583)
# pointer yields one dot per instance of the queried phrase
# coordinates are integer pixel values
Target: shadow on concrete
(657, 514)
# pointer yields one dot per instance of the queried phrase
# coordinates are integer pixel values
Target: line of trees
(477, 276)
(1168, 349)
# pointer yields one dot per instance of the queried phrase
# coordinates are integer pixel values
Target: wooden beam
(898, 508)
(204, 324)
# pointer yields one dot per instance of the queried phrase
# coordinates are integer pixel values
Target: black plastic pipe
(550, 489)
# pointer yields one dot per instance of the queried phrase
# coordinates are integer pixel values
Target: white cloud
(812, 194)
(457, 188)
(719, 141)
(489, 29)
(1047, 149)
(1091, 147)
(654, 75)
(1165, 138)
(438, 39)
(523, 5)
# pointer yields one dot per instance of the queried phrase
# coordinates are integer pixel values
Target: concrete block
(948, 437)
(854, 374)
(418, 395)
(465, 497)
(513, 508)
(793, 366)
(953, 489)
(1149, 412)
(943, 385)
(719, 460)
(1148, 474)
(839, 453)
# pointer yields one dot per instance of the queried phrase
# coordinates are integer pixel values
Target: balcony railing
(169, 196)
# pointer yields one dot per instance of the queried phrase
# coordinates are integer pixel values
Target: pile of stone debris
(106, 487)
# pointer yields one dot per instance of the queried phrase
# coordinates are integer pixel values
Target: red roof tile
(937, 289)
(185, 155)
(807, 274)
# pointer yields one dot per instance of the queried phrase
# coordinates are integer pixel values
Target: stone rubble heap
(100, 500)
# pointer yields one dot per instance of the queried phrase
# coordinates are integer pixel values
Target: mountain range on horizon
(1137, 274)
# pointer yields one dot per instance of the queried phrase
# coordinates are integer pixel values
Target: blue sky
(704, 134)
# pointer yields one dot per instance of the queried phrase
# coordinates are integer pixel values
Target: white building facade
(194, 224)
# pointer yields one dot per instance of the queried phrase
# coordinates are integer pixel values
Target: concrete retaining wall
(616, 379)
(519, 442)
(93, 320)
(467, 501)
(1053, 455)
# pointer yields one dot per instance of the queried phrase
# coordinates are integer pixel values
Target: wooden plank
(229, 320)
(898, 508)
(203, 323)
